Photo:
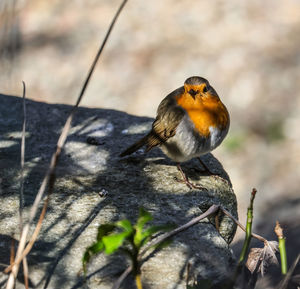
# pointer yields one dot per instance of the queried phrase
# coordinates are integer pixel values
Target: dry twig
(211, 210)
(50, 175)
(21, 204)
(285, 282)
(256, 236)
(12, 251)
(25, 264)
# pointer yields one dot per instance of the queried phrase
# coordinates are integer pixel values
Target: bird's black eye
(205, 89)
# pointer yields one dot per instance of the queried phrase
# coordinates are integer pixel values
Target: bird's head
(199, 88)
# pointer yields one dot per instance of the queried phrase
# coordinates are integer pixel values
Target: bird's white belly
(187, 143)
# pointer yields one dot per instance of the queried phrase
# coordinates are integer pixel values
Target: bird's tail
(148, 140)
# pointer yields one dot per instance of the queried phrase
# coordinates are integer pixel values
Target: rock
(94, 186)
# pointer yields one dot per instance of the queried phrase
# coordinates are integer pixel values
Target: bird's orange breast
(205, 112)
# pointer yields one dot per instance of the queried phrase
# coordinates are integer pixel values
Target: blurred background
(248, 50)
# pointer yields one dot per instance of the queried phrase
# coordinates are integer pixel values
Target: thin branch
(100, 51)
(212, 209)
(25, 264)
(25, 272)
(124, 275)
(256, 236)
(51, 171)
(285, 282)
(21, 204)
(33, 237)
(12, 251)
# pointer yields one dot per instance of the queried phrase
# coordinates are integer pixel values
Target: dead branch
(50, 175)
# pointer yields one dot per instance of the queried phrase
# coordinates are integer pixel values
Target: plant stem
(281, 239)
(283, 258)
(248, 229)
(138, 281)
(246, 244)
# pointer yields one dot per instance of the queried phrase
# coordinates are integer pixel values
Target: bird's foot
(189, 184)
(217, 177)
(186, 181)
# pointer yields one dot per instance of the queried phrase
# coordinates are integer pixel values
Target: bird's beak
(193, 93)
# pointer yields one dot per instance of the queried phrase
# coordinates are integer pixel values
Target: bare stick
(12, 251)
(25, 264)
(33, 238)
(212, 209)
(118, 283)
(287, 277)
(51, 171)
(26, 274)
(260, 238)
(22, 159)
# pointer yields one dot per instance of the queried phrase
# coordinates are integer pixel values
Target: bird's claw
(189, 184)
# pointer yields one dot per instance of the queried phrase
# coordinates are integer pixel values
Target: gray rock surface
(94, 186)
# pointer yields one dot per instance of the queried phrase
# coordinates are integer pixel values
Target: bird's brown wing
(169, 115)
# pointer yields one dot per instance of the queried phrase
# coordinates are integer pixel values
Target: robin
(191, 121)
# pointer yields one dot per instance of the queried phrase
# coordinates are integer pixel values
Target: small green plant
(281, 240)
(248, 236)
(124, 237)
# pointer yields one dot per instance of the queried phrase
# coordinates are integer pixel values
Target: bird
(191, 121)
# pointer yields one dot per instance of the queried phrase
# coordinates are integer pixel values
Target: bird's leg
(205, 166)
(208, 170)
(185, 179)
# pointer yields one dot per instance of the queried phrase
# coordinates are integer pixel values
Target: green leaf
(96, 247)
(126, 225)
(85, 260)
(90, 251)
(104, 230)
(113, 242)
(143, 218)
